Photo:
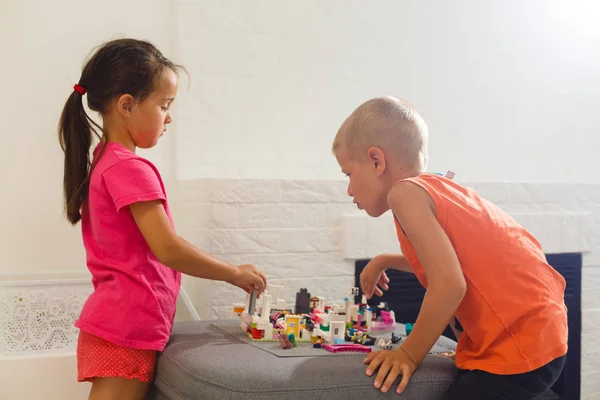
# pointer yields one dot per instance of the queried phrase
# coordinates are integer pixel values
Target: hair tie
(79, 89)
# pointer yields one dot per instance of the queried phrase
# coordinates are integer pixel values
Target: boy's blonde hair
(387, 123)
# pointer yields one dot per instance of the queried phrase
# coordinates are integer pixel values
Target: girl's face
(149, 119)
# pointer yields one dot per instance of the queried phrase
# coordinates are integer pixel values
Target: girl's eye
(164, 109)
(347, 175)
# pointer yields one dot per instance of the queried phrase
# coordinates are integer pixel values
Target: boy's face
(365, 184)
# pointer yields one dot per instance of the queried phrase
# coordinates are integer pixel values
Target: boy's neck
(400, 173)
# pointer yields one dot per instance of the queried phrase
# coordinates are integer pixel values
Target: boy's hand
(450, 354)
(391, 364)
(373, 279)
(248, 277)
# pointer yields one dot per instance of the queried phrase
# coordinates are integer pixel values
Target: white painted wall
(43, 50)
(43, 47)
(509, 89)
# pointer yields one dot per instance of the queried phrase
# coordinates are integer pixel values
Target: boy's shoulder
(430, 182)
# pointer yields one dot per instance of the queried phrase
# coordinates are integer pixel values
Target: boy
(477, 264)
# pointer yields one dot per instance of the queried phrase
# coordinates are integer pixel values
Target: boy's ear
(125, 105)
(377, 159)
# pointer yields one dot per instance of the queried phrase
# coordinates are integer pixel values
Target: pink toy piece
(385, 316)
(336, 348)
(284, 341)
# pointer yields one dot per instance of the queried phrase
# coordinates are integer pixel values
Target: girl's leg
(118, 389)
(115, 372)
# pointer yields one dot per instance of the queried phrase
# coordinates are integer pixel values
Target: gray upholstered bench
(203, 361)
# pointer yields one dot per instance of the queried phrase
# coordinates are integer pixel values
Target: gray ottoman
(202, 361)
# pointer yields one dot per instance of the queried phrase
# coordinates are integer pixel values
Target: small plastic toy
(285, 342)
(336, 348)
(409, 327)
(302, 302)
(449, 174)
(383, 345)
(269, 319)
(252, 304)
(292, 339)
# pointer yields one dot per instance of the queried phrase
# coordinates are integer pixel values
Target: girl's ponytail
(75, 136)
(121, 66)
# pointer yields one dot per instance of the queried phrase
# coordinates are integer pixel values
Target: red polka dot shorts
(98, 358)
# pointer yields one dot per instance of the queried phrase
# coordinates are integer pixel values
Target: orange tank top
(513, 313)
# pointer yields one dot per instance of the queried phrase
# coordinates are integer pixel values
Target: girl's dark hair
(123, 66)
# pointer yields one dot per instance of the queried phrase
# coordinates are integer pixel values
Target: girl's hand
(248, 277)
(373, 279)
(391, 364)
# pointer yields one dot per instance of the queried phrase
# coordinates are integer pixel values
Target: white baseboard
(51, 377)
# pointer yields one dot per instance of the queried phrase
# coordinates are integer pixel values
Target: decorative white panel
(38, 317)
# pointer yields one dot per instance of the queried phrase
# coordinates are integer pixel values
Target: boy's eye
(347, 175)
(164, 108)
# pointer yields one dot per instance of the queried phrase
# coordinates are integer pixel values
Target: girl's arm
(175, 252)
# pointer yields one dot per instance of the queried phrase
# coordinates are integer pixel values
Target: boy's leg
(484, 385)
(474, 385)
(118, 389)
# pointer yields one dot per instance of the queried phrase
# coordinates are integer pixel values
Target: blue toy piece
(292, 339)
(409, 327)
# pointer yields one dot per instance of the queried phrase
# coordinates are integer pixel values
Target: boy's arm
(394, 261)
(455, 329)
(374, 280)
(415, 211)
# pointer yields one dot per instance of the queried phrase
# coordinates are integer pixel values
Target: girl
(133, 252)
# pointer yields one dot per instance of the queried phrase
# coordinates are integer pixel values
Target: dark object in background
(302, 302)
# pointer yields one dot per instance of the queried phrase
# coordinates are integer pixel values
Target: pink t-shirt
(134, 298)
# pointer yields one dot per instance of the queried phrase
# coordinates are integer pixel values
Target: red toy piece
(256, 334)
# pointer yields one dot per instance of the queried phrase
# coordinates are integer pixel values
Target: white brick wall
(307, 233)
(557, 231)
(290, 229)
(272, 80)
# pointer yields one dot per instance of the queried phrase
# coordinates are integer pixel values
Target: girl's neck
(129, 145)
(114, 131)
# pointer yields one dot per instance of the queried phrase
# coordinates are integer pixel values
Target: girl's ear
(125, 105)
